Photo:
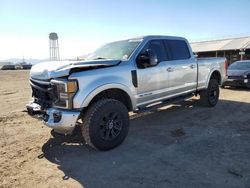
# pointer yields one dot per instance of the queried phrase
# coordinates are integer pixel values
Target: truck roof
(150, 37)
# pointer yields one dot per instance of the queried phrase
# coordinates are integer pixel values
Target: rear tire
(210, 96)
(105, 124)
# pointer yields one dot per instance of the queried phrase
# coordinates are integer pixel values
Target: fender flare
(210, 74)
(104, 87)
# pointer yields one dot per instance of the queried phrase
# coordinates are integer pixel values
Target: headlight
(64, 91)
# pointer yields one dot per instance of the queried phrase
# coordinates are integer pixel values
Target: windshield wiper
(99, 58)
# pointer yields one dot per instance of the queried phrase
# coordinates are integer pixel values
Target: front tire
(105, 124)
(210, 96)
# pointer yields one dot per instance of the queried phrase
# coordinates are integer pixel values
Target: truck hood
(55, 69)
(235, 72)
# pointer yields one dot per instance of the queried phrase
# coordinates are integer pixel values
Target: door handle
(192, 66)
(170, 69)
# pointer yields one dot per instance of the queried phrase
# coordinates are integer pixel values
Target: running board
(162, 103)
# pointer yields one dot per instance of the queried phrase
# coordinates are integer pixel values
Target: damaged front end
(53, 103)
(53, 91)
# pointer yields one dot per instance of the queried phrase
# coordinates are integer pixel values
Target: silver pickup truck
(122, 76)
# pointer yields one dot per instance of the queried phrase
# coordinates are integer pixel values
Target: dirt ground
(183, 145)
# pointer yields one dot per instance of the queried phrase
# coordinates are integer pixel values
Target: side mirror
(148, 58)
(153, 59)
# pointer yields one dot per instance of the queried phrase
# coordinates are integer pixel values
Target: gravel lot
(181, 145)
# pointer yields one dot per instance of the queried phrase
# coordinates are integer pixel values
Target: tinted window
(158, 47)
(178, 49)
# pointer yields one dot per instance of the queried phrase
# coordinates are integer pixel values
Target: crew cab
(119, 77)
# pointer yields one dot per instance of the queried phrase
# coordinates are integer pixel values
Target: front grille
(42, 84)
(43, 92)
(235, 77)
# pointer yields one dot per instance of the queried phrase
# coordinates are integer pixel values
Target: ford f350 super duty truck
(119, 77)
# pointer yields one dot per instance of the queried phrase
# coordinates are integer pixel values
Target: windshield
(116, 50)
(240, 65)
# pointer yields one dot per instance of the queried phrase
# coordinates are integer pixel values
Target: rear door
(182, 67)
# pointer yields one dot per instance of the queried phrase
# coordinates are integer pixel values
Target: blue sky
(83, 25)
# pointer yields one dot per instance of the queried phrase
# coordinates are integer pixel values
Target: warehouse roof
(222, 45)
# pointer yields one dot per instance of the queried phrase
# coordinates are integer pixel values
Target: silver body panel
(166, 80)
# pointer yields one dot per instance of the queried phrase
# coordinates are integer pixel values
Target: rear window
(178, 49)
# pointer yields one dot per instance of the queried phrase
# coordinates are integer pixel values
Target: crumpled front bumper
(62, 121)
(237, 82)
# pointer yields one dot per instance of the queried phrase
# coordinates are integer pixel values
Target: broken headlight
(64, 91)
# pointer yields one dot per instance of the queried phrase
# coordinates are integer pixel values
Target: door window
(158, 47)
(178, 49)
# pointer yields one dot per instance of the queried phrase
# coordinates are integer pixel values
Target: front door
(153, 80)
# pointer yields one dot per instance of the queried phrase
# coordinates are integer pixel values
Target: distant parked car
(238, 74)
(18, 67)
(26, 66)
(8, 67)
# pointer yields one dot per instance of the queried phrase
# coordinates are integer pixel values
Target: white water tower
(54, 47)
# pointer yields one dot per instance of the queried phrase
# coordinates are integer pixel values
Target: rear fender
(210, 74)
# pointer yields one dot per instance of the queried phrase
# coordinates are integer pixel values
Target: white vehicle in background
(119, 77)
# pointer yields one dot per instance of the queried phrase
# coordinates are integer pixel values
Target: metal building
(233, 49)
(54, 47)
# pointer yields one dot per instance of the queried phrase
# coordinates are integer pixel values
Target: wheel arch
(111, 91)
(214, 74)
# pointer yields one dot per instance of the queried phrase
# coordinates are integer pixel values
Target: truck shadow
(237, 88)
(169, 146)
